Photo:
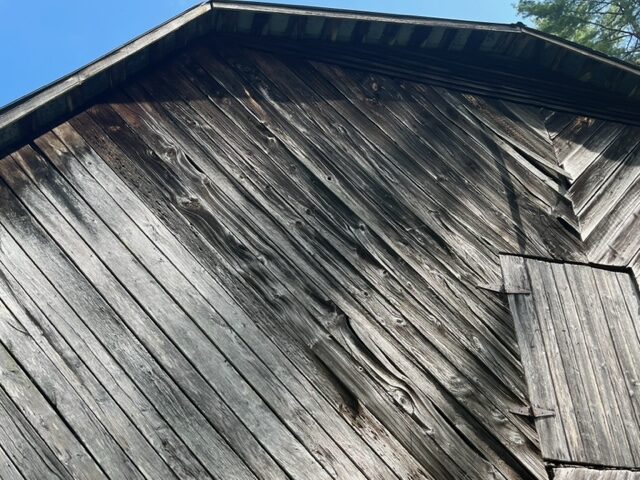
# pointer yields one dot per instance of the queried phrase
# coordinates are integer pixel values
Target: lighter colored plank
(582, 324)
(91, 370)
(626, 341)
(534, 357)
(85, 407)
(583, 392)
(629, 288)
(610, 193)
(8, 470)
(586, 363)
(594, 474)
(23, 395)
(21, 446)
(551, 318)
(614, 394)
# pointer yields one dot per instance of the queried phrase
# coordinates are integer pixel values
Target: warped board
(579, 333)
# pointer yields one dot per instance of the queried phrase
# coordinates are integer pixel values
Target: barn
(269, 242)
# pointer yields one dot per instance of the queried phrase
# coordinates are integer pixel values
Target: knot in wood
(404, 400)
(188, 202)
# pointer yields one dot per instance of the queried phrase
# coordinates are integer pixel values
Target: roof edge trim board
(344, 14)
(47, 104)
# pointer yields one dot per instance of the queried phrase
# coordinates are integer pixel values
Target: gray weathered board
(241, 266)
(603, 159)
(246, 264)
(593, 474)
(578, 331)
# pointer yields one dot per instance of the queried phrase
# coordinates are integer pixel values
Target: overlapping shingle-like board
(603, 159)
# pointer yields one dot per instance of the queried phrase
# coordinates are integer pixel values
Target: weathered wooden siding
(250, 265)
(578, 330)
(603, 159)
(589, 474)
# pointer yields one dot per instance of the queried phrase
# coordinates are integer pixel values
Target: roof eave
(41, 109)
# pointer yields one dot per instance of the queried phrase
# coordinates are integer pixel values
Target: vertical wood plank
(586, 363)
(586, 343)
(534, 356)
(614, 395)
(549, 317)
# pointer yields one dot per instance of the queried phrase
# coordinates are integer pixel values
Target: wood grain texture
(578, 341)
(594, 474)
(604, 161)
(251, 265)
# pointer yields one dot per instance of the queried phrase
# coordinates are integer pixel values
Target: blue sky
(42, 40)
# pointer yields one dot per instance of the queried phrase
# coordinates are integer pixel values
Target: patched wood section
(578, 330)
(247, 265)
(592, 474)
(604, 160)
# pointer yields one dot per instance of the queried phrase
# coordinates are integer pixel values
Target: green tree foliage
(610, 26)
